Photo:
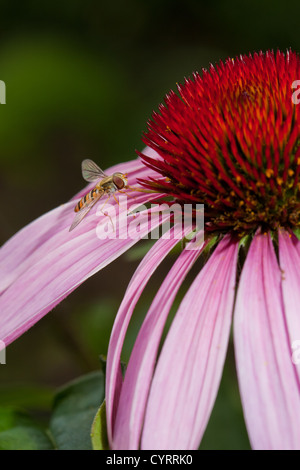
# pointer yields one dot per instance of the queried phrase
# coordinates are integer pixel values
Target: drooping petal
(137, 284)
(189, 368)
(268, 383)
(44, 262)
(289, 257)
(139, 371)
(49, 231)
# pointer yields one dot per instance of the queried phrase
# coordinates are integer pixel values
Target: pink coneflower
(229, 139)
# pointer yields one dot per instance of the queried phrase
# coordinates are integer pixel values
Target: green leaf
(75, 406)
(19, 432)
(98, 432)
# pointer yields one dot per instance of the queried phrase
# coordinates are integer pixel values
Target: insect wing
(91, 171)
(84, 211)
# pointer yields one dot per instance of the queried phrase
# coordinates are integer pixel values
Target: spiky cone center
(230, 138)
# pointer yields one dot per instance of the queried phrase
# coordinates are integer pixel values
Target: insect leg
(107, 215)
(116, 199)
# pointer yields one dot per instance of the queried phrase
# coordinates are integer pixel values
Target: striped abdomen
(89, 197)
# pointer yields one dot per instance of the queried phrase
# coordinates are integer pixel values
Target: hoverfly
(107, 185)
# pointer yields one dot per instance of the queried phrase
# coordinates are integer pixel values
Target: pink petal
(268, 384)
(138, 375)
(44, 262)
(44, 234)
(190, 365)
(137, 284)
(289, 256)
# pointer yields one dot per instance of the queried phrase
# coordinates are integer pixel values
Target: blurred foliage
(18, 431)
(82, 79)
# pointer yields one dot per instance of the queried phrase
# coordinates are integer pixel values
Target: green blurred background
(82, 78)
